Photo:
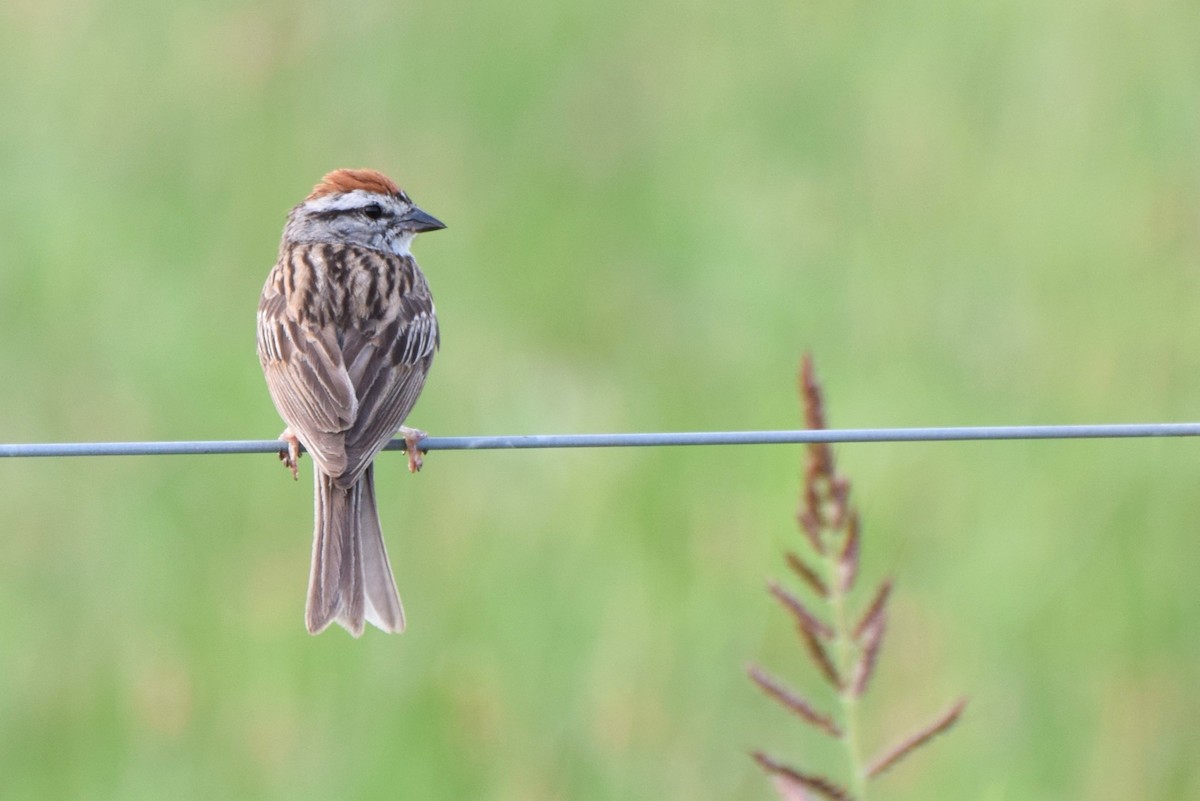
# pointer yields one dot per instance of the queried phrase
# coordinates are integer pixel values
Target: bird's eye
(373, 211)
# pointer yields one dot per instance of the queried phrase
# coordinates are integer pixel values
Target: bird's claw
(412, 446)
(290, 453)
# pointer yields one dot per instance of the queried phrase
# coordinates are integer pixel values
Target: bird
(347, 332)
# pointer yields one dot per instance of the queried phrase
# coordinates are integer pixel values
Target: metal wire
(940, 434)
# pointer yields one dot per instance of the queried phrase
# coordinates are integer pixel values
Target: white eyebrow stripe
(356, 199)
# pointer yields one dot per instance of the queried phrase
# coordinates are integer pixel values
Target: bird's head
(358, 207)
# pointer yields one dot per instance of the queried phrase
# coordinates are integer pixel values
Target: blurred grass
(978, 214)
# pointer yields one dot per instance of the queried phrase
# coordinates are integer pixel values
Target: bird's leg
(290, 454)
(412, 446)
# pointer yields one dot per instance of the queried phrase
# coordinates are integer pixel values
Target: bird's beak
(417, 221)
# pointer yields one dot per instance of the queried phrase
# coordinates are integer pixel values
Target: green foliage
(974, 214)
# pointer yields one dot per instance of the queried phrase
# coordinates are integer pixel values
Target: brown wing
(387, 366)
(307, 380)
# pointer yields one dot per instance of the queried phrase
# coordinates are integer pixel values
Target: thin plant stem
(847, 698)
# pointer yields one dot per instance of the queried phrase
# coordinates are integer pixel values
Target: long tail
(351, 580)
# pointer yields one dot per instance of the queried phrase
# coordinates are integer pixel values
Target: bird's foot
(290, 453)
(412, 446)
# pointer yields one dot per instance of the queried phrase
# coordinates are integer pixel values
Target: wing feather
(307, 380)
(389, 372)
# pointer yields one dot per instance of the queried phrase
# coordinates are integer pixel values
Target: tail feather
(324, 579)
(351, 580)
(383, 607)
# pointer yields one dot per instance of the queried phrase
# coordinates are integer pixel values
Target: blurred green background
(983, 213)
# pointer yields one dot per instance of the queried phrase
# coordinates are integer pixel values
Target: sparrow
(346, 335)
